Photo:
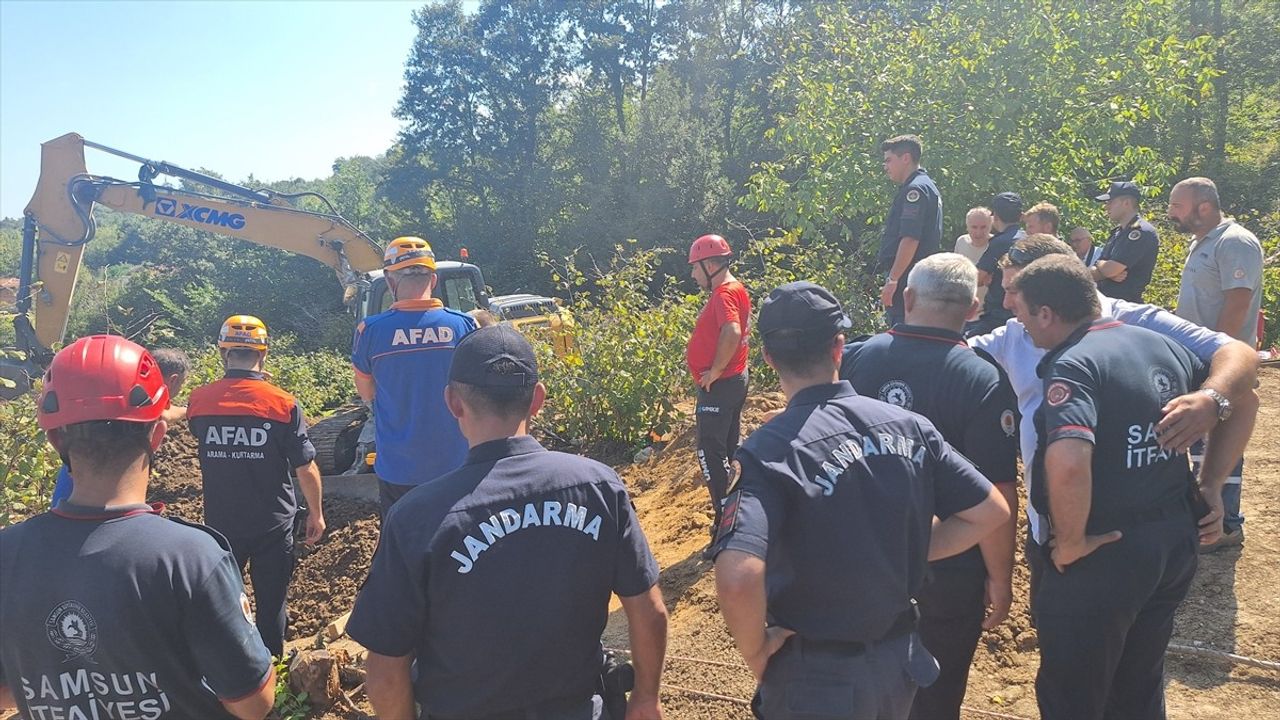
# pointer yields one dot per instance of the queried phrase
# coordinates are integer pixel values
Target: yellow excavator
(58, 223)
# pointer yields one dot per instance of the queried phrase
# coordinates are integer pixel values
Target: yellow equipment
(244, 332)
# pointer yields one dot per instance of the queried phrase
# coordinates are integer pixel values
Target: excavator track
(336, 436)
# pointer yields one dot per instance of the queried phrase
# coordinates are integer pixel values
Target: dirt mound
(327, 576)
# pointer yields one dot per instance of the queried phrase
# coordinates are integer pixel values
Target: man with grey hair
(973, 243)
(925, 366)
(1221, 290)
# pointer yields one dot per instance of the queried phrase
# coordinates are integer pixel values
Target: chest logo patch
(896, 392)
(1008, 423)
(1163, 382)
(913, 195)
(72, 629)
(1135, 234)
(1057, 393)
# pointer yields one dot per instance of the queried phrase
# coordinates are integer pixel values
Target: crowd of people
(863, 537)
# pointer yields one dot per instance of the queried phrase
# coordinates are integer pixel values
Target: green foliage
(288, 705)
(320, 380)
(628, 372)
(28, 464)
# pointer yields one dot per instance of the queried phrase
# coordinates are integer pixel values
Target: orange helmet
(243, 331)
(408, 251)
(707, 247)
(102, 377)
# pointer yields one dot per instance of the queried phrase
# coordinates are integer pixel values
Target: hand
(1187, 418)
(708, 379)
(998, 598)
(315, 527)
(886, 293)
(1211, 524)
(1122, 276)
(774, 638)
(643, 708)
(1066, 554)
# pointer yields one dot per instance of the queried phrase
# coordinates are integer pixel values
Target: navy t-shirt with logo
(1106, 384)
(1136, 246)
(837, 495)
(497, 578)
(993, 303)
(251, 434)
(934, 372)
(119, 608)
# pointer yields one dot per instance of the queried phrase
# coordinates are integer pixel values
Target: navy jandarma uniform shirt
(251, 434)
(933, 372)
(1106, 384)
(121, 613)
(497, 577)
(837, 495)
(916, 212)
(1136, 246)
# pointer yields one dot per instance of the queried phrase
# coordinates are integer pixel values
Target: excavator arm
(59, 222)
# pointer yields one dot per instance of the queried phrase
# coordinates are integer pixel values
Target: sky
(275, 89)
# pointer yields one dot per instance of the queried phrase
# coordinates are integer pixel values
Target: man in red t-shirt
(717, 358)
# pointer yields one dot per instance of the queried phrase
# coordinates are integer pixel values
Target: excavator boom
(59, 222)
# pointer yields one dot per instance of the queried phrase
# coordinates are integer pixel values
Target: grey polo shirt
(1228, 257)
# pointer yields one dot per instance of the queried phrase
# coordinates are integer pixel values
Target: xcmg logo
(168, 207)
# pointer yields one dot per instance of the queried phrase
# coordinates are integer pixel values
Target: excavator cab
(459, 286)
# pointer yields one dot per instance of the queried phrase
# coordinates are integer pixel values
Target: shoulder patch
(1238, 274)
(1008, 423)
(1057, 393)
(913, 195)
(1135, 234)
(246, 608)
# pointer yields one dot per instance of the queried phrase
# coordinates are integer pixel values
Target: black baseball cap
(1120, 189)
(494, 356)
(803, 306)
(1007, 205)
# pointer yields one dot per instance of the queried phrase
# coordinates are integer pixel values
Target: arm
(389, 686)
(1108, 270)
(365, 387)
(1069, 478)
(647, 628)
(1226, 446)
(257, 705)
(740, 587)
(997, 555)
(962, 530)
(729, 342)
(7, 700)
(906, 251)
(1235, 309)
(1232, 372)
(309, 483)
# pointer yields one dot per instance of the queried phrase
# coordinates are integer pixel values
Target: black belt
(904, 624)
(545, 710)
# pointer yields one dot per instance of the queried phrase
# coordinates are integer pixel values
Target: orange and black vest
(251, 434)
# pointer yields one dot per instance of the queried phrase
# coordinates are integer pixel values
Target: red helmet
(707, 247)
(101, 377)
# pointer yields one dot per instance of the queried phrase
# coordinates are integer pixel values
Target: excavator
(58, 223)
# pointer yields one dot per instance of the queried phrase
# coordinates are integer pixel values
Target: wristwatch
(1224, 405)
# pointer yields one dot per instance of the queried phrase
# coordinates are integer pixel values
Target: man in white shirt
(974, 242)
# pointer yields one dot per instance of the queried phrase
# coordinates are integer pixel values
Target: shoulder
(1142, 230)
(458, 315)
(1237, 234)
(372, 320)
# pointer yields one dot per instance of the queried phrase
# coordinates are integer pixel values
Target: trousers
(270, 561)
(719, 425)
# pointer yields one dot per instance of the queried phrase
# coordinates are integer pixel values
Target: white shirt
(1013, 349)
(965, 247)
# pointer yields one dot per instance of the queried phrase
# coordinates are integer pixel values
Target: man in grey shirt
(1221, 290)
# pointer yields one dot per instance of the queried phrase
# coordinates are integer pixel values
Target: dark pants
(270, 560)
(1105, 623)
(825, 681)
(952, 607)
(719, 418)
(388, 494)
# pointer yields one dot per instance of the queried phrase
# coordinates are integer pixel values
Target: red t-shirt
(728, 303)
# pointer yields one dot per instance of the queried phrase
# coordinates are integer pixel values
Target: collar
(1217, 231)
(1011, 231)
(918, 171)
(1102, 323)
(423, 304)
(492, 450)
(66, 509)
(816, 394)
(1133, 222)
(922, 332)
(233, 374)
